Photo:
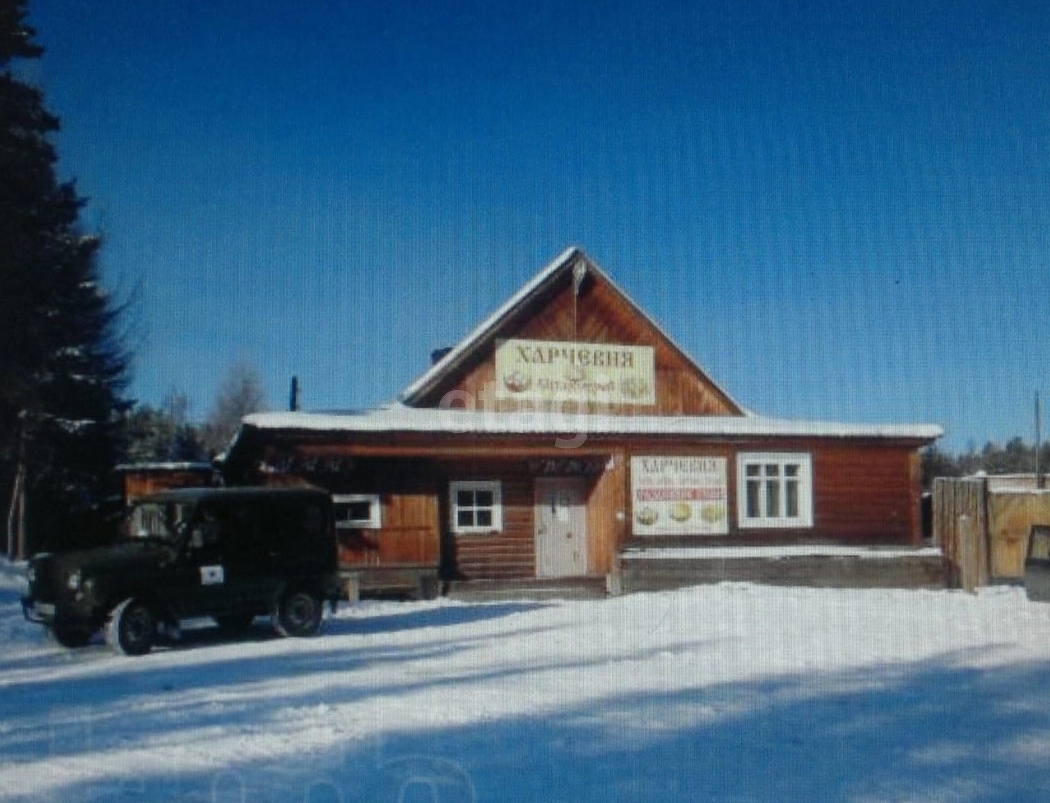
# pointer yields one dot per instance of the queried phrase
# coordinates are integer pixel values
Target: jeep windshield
(163, 520)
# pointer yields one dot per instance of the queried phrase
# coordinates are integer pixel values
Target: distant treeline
(1016, 457)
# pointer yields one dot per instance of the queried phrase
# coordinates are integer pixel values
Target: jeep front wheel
(131, 628)
(298, 614)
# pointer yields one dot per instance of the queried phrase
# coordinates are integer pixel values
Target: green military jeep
(228, 553)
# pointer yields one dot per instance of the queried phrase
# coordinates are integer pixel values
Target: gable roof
(490, 328)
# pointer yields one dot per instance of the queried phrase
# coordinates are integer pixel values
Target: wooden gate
(960, 528)
(981, 525)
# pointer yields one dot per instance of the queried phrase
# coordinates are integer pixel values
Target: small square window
(357, 511)
(475, 506)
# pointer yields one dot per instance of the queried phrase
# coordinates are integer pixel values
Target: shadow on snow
(931, 731)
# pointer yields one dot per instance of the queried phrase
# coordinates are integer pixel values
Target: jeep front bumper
(42, 613)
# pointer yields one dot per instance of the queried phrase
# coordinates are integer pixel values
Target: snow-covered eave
(402, 419)
(165, 465)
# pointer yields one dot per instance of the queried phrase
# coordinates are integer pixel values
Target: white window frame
(375, 511)
(494, 487)
(804, 477)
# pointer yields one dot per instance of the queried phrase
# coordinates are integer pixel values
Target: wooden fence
(982, 528)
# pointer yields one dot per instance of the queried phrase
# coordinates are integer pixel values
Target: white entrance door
(561, 527)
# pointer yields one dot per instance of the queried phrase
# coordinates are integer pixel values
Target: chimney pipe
(293, 395)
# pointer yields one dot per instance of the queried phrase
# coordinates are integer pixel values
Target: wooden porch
(813, 565)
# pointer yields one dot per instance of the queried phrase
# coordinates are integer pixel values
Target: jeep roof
(194, 495)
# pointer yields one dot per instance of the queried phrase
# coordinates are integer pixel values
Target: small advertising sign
(550, 370)
(212, 575)
(679, 496)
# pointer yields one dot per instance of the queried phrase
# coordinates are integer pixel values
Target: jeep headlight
(73, 581)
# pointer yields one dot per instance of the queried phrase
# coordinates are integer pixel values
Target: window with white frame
(357, 511)
(475, 506)
(774, 490)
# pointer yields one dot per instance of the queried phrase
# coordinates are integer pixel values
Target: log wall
(139, 483)
(864, 492)
(866, 495)
(607, 517)
(409, 535)
(507, 554)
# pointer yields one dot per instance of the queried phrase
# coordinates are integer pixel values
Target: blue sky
(841, 210)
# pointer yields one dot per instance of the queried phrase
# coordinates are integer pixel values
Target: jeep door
(303, 539)
(202, 584)
(251, 555)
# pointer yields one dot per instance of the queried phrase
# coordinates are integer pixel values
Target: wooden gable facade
(566, 428)
(577, 303)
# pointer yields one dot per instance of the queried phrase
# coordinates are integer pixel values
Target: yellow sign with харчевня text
(554, 370)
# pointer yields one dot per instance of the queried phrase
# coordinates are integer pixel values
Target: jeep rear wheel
(131, 628)
(298, 614)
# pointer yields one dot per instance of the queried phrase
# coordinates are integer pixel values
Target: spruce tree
(62, 365)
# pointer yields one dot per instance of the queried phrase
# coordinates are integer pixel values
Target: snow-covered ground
(720, 693)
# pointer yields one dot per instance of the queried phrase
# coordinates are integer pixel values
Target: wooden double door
(561, 527)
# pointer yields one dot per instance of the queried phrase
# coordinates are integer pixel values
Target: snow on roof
(1012, 483)
(401, 418)
(780, 552)
(164, 466)
(468, 343)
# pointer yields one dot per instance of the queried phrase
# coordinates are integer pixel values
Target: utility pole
(293, 395)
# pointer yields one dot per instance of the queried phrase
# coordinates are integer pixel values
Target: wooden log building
(141, 479)
(566, 430)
